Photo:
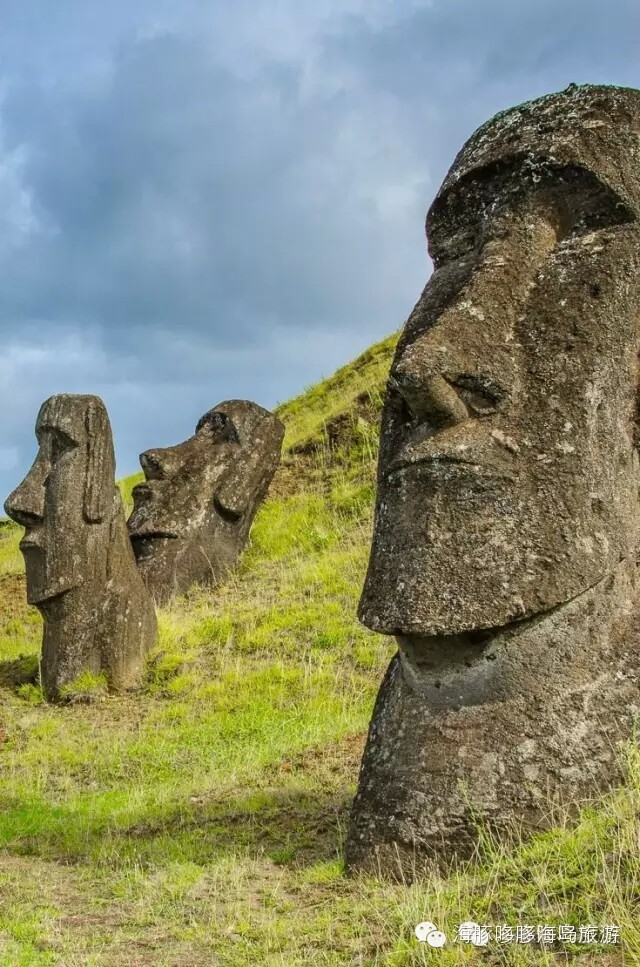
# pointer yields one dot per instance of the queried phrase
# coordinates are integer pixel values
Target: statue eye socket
(55, 443)
(462, 244)
(219, 427)
(60, 443)
(478, 392)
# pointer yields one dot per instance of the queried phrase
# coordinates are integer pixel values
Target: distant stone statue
(508, 519)
(80, 569)
(192, 515)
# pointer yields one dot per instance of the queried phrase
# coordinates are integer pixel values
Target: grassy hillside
(201, 821)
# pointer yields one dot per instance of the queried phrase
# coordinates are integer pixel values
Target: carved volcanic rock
(191, 517)
(507, 516)
(80, 569)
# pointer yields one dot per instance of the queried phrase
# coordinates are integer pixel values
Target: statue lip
(442, 461)
(143, 496)
(153, 535)
(29, 542)
(449, 451)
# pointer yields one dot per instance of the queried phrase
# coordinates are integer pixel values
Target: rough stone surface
(191, 517)
(80, 569)
(507, 514)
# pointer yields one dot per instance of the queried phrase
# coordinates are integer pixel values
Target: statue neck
(71, 627)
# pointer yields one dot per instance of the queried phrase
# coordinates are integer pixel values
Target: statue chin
(43, 587)
(40, 597)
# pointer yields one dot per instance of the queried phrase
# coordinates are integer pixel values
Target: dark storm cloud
(454, 64)
(181, 197)
(229, 200)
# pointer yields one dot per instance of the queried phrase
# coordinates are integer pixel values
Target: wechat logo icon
(427, 932)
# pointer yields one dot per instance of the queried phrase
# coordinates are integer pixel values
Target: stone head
(65, 502)
(508, 473)
(192, 514)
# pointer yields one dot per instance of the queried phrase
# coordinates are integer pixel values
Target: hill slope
(201, 821)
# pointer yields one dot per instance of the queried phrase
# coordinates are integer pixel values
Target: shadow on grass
(23, 670)
(294, 826)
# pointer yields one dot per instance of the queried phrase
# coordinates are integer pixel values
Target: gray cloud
(230, 201)
(182, 194)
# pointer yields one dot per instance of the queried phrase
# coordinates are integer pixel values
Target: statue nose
(156, 464)
(429, 397)
(26, 505)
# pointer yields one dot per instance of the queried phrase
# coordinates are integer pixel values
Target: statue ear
(249, 479)
(98, 486)
(234, 494)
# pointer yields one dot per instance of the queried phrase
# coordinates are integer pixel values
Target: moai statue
(191, 517)
(81, 572)
(508, 516)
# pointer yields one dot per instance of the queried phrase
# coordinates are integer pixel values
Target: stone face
(508, 484)
(192, 515)
(80, 569)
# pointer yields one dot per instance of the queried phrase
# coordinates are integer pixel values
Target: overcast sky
(208, 199)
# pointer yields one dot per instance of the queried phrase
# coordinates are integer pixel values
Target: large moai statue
(508, 515)
(192, 515)
(80, 569)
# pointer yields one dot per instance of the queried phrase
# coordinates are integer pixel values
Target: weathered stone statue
(508, 515)
(191, 517)
(81, 572)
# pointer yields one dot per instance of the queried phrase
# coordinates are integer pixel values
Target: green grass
(126, 485)
(306, 415)
(11, 561)
(201, 820)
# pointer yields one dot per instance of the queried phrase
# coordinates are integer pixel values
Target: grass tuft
(87, 687)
